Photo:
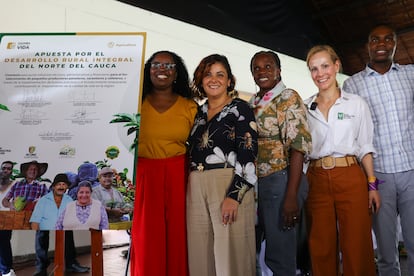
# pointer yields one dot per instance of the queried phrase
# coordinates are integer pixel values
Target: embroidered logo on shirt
(344, 116)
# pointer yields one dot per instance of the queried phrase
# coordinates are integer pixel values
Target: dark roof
(293, 26)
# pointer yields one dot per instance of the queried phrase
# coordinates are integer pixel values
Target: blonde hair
(324, 48)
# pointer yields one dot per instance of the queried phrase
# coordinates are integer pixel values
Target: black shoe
(42, 272)
(77, 268)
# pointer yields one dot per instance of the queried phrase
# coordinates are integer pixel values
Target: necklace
(216, 107)
(226, 101)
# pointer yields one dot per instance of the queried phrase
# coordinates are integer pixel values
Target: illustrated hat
(41, 168)
(106, 170)
(87, 171)
(61, 177)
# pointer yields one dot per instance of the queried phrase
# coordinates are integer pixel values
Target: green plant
(102, 163)
(132, 121)
(3, 107)
(127, 191)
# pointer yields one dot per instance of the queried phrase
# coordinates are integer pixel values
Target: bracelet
(371, 179)
(373, 186)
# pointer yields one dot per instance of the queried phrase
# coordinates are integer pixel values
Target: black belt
(205, 167)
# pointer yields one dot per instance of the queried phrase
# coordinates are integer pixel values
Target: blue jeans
(397, 197)
(280, 254)
(6, 256)
(42, 248)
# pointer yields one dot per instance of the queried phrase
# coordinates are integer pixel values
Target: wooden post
(96, 252)
(59, 260)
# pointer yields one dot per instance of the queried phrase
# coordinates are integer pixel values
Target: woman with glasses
(167, 115)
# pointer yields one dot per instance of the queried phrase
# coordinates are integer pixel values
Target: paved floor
(114, 264)
(114, 243)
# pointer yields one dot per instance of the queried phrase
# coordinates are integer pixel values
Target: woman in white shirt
(342, 194)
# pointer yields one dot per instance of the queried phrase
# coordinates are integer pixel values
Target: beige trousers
(214, 249)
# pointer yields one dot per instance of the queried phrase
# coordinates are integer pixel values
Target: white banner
(58, 93)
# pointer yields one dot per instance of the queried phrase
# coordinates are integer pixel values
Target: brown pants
(214, 249)
(339, 221)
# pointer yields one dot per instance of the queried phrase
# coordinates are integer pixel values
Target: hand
(290, 212)
(374, 201)
(10, 205)
(229, 208)
(125, 210)
(116, 212)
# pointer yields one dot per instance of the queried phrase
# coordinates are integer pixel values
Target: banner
(58, 94)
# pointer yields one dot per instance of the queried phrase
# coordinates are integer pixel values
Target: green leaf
(3, 107)
(119, 120)
(132, 124)
(131, 130)
(132, 121)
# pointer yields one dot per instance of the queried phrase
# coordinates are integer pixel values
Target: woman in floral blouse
(220, 201)
(284, 139)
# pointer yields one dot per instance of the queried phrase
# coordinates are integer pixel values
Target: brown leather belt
(329, 162)
(205, 167)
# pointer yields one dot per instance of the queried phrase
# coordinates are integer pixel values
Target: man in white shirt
(110, 198)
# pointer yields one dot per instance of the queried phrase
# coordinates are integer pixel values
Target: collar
(83, 206)
(269, 95)
(33, 182)
(105, 189)
(50, 195)
(344, 96)
(371, 72)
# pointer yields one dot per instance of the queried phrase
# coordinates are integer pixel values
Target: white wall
(190, 42)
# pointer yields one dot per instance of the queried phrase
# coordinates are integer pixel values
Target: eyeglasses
(7, 168)
(167, 66)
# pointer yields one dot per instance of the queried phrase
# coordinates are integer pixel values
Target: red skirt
(159, 242)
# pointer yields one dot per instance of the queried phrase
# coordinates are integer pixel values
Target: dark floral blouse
(229, 139)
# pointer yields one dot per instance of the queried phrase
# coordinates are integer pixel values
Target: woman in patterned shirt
(220, 201)
(284, 139)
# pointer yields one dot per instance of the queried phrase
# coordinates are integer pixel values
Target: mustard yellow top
(164, 134)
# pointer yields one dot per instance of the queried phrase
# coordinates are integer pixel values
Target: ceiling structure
(292, 27)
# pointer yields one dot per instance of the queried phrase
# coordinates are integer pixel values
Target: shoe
(77, 268)
(42, 272)
(303, 273)
(11, 273)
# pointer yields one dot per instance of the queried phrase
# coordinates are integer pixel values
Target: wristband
(373, 186)
(371, 179)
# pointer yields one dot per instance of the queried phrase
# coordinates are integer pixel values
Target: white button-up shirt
(348, 130)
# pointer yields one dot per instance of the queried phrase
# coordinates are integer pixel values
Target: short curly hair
(270, 53)
(201, 71)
